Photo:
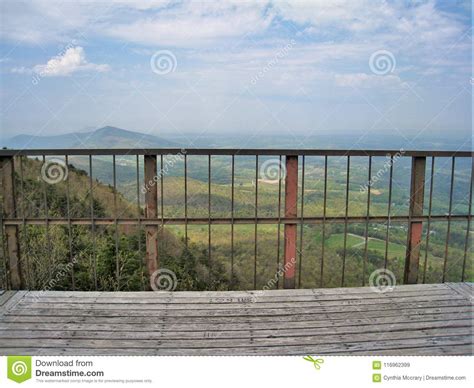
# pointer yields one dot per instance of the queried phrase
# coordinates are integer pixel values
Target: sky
(367, 67)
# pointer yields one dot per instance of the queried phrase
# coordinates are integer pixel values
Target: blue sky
(194, 68)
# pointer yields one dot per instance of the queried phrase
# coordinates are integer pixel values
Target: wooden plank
(206, 294)
(151, 203)
(183, 315)
(407, 346)
(164, 318)
(347, 341)
(232, 303)
(290, 230)
(205, 335)
(246, 309)
(415, 228)
(12, 246)
(463, 290)
(151, 298)
(337, 321)
(357, 341)
(240, 298)
(262, 295)
(399, 347)
(5, 296)
(447, 314)
(327, 317)
(10, 304)
(467, 291)
(204, 308)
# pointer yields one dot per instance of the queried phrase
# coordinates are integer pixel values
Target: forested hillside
(50, 253)
(112, 258)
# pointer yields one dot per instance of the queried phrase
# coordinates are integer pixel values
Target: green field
(250, 263)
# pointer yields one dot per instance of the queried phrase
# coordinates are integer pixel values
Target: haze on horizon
(184, 68)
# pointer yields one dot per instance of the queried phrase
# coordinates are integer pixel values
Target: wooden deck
(431, 319)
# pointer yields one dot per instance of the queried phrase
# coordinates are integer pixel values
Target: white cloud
(222, 46)
(73, 60)
(359, 15)
(193, 24)
(421, 21)
(190, 24)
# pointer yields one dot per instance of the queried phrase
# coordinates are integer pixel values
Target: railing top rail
(231, 151)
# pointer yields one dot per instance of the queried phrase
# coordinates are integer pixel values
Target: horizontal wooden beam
(227, 220)
(232, 151)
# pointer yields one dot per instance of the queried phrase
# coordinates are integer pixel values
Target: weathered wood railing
(293, 162)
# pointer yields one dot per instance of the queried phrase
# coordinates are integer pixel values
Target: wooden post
(415, 228)
(151, 200)
(291, 201)
(11, 231)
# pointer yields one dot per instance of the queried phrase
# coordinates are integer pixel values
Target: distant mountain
(106, 137)
(112, 137)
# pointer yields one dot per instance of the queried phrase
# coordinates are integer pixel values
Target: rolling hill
(105, 137)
